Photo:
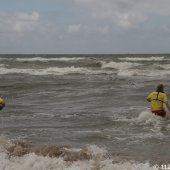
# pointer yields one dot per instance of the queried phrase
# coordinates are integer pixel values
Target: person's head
(160, 88)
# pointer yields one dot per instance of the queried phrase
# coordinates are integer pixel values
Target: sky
(84, 26)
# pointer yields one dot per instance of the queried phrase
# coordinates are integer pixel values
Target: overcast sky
(84, 26)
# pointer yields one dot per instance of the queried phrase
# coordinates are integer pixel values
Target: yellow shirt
(2, 101)
(157, 100)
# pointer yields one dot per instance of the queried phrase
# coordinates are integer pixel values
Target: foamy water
(31, 161)
(143, 58)
(47, 71)
(99, 159)
(50, 59)
(148, 73)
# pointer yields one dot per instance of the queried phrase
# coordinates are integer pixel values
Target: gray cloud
(74, 28)
(18, 22)
(125, 13)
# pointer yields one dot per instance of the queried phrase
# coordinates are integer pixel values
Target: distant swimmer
(158, 99)
(2, 103)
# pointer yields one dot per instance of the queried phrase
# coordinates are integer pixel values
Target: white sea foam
(165, 66)
(123, 68)
(147, 117)
(156, 122)
(98, 161)
(140, 72)
(147, 120)
(144, 118)
(119, 65)
(143, 58)
(51, 59)
(3, 58)
(51, 70)
(34, 162)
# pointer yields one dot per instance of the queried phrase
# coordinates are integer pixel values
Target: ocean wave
(3, 58)
(128, 69)
(143, 58)
(165, 66)
(24, 156)
(146, 73)
(119, 65)
(122, 72)
(50, 59)
(145, 118)
(148, 121)
(53, 71)
(122, 69)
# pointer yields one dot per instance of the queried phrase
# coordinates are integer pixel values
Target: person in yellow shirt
(157, 99)
(2, 103)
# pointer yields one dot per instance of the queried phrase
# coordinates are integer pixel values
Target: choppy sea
(95, 104)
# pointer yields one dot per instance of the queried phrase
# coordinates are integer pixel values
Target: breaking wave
(119, 69)
(132, 69)
(22, 156)
(165, 66)
(147, 73)
(144, 118)
(52, 70)
(125, 69)
(119, 65)
(143, 58)
(51, 59)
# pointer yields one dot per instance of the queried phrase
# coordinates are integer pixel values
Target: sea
(90, 104)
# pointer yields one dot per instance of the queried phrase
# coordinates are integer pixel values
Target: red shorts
(161, 113)
(2, 106)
